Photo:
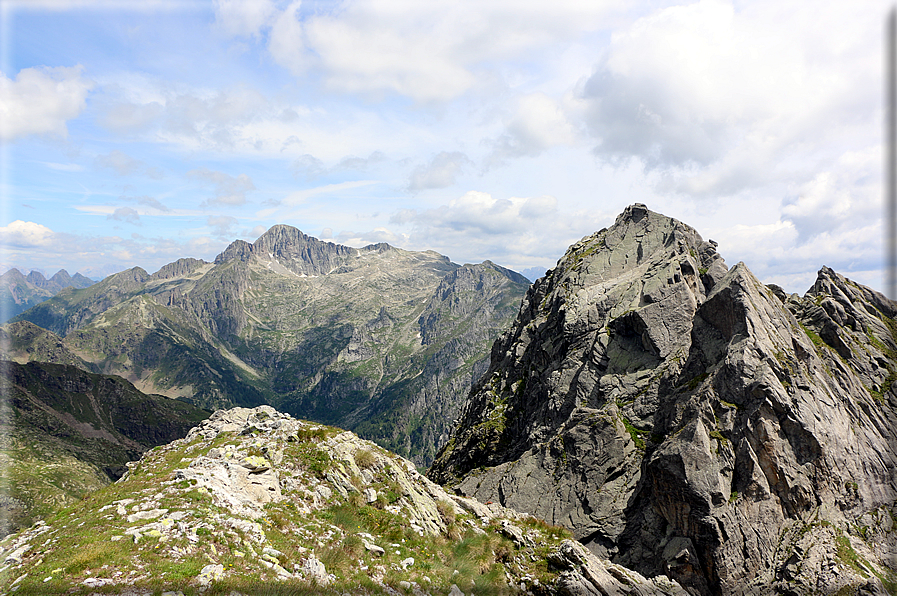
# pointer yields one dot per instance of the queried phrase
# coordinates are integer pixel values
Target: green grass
(847, 555)
(635, 433)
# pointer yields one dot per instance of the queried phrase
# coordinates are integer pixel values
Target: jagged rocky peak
(687, 420)
(238, 250)
(297, 252)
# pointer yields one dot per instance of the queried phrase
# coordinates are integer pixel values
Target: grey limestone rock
(684, 419)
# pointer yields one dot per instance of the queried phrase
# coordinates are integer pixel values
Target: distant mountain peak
(298, 252)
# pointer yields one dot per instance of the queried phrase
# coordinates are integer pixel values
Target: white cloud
(777, 253)
(243, 17)
(254, 233)
(409, 48)
(229, 190)
(125, 214)
(125, 165)
(516, 232)
(152, 203)
(374, 236)
(539, 124)
(441, 172)
(696, 85)
(25, 234)
(312, 167)
(222, 225)
(130, 117)
(41, 101)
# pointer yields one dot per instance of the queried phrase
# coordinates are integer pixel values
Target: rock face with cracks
(683, 418)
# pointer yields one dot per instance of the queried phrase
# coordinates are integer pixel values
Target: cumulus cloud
(360, 164)
(128, 117)
(777, 253)
(243, 17)
(26, 234)
(376, 46)
(125, 214)
(731, 96)
(480, 212)
(222, 225)
(228, 189)
(152, 203)
(516, 232)
(162, 111)
(311, 167)
(441, 172)
(539, 124)
(375, 236)
(41, 101)
(254, 233)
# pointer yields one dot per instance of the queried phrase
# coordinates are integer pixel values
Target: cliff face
(685, 419)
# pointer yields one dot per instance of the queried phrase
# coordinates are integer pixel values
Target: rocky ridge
(254, 497)
(682, 418)
(379, 340)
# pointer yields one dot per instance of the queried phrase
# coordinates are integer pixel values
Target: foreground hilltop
(379, 340)
(682, 418)
(254, 501)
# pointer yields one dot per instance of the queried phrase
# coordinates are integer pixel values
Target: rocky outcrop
(254, 496)
(685, 419)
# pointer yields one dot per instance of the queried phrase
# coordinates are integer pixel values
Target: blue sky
(136, 133)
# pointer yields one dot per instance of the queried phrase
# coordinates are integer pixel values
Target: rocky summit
(681, 418)
(253, 501)
(378, 340)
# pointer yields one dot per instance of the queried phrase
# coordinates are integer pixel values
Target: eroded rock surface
(682, 418)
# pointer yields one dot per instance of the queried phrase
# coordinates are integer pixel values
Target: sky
(137, 133)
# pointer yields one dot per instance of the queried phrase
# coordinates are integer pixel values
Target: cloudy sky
(136, 133)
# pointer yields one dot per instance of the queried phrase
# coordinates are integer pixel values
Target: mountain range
(695, 430)
(19, 292)
(379, 340)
